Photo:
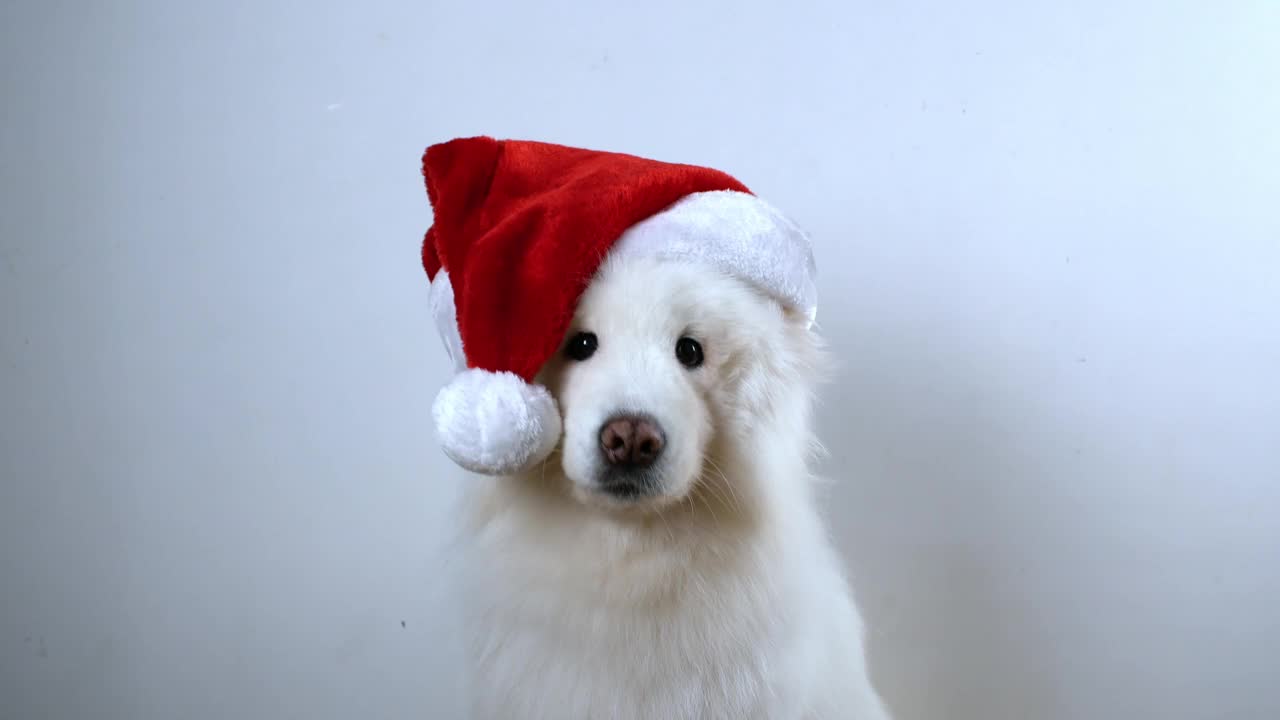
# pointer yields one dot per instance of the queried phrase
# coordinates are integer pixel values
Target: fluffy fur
(719, 595)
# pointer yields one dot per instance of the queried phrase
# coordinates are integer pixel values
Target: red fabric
(522, 227)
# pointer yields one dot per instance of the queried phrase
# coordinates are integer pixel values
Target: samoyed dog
(667, 561)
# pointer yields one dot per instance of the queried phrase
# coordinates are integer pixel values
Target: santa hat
(520, 229)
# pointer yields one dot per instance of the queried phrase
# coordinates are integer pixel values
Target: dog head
(669, 374)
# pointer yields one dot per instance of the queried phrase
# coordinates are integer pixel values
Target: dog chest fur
(573, 616)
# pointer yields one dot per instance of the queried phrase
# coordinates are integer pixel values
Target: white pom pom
(496, 423)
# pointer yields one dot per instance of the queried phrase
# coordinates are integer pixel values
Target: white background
(1049, 245)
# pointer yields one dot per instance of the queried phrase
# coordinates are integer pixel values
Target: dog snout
(631, 441)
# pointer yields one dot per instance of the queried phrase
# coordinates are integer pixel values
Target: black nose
(631, 441)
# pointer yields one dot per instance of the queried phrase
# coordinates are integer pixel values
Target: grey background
(1049, 241)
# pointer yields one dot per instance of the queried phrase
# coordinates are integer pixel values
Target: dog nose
(631, 441)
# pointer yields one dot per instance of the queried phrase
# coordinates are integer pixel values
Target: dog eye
(689, 352)
(581, 346)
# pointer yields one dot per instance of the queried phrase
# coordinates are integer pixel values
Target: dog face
(663, 361)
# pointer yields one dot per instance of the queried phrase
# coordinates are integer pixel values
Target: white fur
(718, 597)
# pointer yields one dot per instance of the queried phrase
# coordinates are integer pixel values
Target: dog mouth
(628, 489)
(629, 486)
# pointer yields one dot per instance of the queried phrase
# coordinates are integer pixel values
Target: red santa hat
(520, 229)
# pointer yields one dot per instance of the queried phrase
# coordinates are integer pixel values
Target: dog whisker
(711, 478)
(670, 533)
(736, 502)
(719, 496)
(707, 504)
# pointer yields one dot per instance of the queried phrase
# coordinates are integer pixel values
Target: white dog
(668, 560)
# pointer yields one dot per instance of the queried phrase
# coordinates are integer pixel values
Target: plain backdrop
(1049, 246)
